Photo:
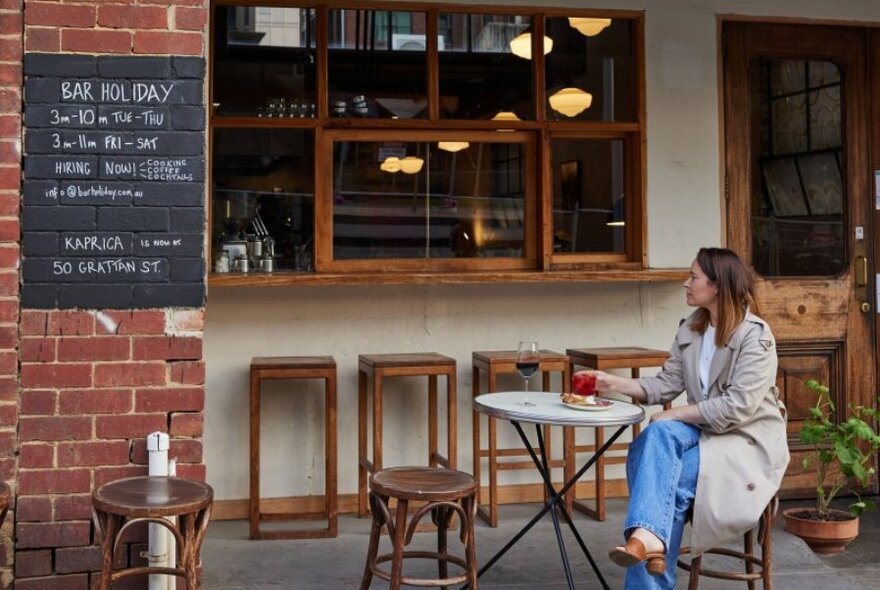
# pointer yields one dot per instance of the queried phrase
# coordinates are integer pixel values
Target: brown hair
(736, 292)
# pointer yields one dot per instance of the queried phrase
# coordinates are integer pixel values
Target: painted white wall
(684, 213)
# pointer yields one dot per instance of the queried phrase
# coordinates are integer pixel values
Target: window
(360, 140)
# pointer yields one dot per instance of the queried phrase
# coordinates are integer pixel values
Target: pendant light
(411, 164)
(521, 45)
(390, 164)
(506, 116)
(453, 146)
(589, 27)
(570, 101)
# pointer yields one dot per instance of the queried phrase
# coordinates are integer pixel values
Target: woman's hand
(690, 414)
(625, 385)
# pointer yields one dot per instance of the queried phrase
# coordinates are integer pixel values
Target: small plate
(600, 405)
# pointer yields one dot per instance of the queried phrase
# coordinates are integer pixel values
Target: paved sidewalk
(232, 562)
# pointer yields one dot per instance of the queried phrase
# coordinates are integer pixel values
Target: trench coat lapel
(720, 360)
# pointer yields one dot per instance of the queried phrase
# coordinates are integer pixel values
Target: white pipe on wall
(157, 554)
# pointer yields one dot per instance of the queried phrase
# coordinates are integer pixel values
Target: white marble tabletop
(549, 409)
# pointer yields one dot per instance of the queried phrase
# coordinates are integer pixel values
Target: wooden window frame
(538, 133)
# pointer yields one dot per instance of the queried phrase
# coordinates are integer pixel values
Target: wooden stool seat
(747, 556)
(602, 359)
(444, 493)
(121, 504)
(494, 363)
(375, 368)
(294, 367)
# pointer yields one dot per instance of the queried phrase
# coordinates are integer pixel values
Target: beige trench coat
(743, 445)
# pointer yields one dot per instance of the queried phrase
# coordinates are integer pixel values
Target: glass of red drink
(584, 384)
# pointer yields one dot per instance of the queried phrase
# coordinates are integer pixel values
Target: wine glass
(527, 358)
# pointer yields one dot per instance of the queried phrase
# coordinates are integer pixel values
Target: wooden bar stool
(494, 363)
(602, 359)
(445, 493)
(375, 368)
(294, 367)
(122, 504)
(764, 561)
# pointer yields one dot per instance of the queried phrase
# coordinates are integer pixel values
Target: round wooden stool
(5, 498)
(120, 504)
(763, 561)
(445, 493)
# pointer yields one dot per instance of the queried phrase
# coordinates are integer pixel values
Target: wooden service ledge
(294, 367)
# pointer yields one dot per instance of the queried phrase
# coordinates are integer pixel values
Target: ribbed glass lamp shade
(589, 27)
(521, 45)
(390, 164)
(571, 101)
(506, 116)
(453, 146)
(411, 164)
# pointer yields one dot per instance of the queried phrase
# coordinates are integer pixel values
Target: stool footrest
(513, 465)
(283, 516)
(408, 581)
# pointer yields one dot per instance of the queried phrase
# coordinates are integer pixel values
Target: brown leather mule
(634, 553)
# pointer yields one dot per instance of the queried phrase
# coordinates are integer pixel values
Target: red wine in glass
(527, 358)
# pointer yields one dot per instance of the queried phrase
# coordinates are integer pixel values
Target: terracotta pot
(823, 536)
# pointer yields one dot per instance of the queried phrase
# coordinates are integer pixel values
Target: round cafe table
(548, 409)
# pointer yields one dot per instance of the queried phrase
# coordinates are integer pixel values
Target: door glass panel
(377, 64)
(421, 200)
(589, 196)
(798, 198)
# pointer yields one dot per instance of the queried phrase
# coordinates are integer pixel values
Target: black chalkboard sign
(113, 197)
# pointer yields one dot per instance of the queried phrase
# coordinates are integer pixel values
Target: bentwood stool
(444, 493)
(295, 367)
(5, 498)
(375, 368)
(122, 504)
(764, 561)
(632, 358)
(494, 363)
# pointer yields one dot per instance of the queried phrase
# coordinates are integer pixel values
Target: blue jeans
(661, 470)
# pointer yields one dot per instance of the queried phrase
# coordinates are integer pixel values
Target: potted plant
(842, 453)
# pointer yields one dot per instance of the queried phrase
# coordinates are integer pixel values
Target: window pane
(265, 173)
(798, 202)
(479, 76)
(589, 195)
(377, 64)
(264, 61)
(421, 200)
(591, 73)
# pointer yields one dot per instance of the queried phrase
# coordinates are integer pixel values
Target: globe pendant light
(411, 164)
(589, 27)
(571, 101)
(453, 146)
(521, 45)
(391, 164)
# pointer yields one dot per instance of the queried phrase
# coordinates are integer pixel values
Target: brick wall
(85, 386)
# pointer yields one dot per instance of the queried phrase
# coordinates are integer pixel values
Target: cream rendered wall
(684, 213)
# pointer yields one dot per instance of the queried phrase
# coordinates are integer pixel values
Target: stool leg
(476, 419)
(375, 530)
(190, 560)
(451, 420)
(441, 518)
(569, 456)
(432, 420)
(694, 581)
(600, 476)
(767, 548)
(362, 443)
(397, 543)
(749, 550)
(470, 511)
(108, 525)
(493, 473)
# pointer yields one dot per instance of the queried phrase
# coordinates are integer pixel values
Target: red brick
(190, 19)
(10, 100)
(73, 507)
(55, 13)
(11, 5)
(132, 322)
(8, 442)
(187, 424)
(93, 453)
(168, 43)
(10, 75)
(8, 308)
(7, 468)
(187, 373)
(11, 23)
(10, 176)
(37, 456)
(8, 413)
(54, 481)
(46, 40)
(78, 559)
(80, 40)
(10, 151)
(47, 428)
(35, 350)
(174, 2)
(71, 323)
(186, 450)
(33, 509)
(9, 229)
(10, 126)
(8, 284)
(9, 253)
(38, 402)
(191, 471)
(107, 474)
(114, 374)
(8, 337)
(8, 363)
(184, 399)
(10, 48)
(8, 388)
(95, 401)
(34, 322)
(130, 426)
(29, 564)
(67, 375)
(73, 582)
(94, 349)
(167, 348)
(120, 16)
(189, 320)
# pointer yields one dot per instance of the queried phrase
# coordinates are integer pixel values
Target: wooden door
(800, 208)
